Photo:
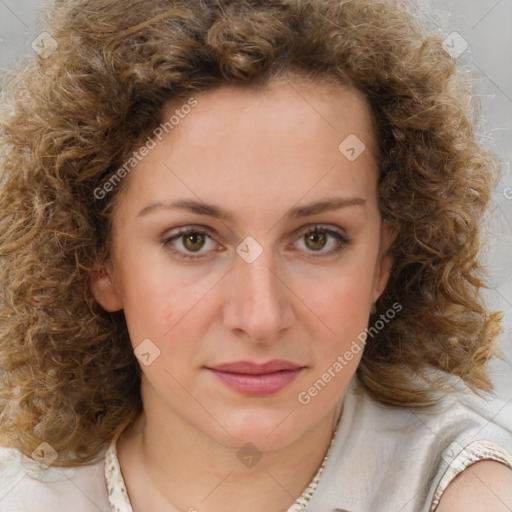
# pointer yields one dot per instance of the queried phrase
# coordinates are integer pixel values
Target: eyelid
(178, 233)
(335, 232)
(332, 231)
(318, 227)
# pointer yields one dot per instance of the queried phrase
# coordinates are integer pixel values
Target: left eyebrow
(211, 210)
(327, 204)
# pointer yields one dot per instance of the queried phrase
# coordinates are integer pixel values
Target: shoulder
(442, 448)
(25, 485)
(485, 485)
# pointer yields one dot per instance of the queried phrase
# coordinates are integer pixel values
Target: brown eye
(184, 242)
(193, 241)
(316, 240)
(322, 240)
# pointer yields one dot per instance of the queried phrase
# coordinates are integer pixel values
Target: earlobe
(385, 262)
(104, 290)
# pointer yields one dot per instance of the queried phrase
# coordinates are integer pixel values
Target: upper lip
(252, 368)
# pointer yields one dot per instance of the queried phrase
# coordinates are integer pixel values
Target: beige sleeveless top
(380, 458)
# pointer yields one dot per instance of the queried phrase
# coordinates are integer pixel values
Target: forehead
(261, 149)
(289, 103)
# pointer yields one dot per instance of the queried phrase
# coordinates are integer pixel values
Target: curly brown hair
(69, 375)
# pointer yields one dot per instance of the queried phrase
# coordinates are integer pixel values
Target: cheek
(343, 301)
(345, 318)
(157, 310)
(147, 306)
(163, 301)
(335, 355)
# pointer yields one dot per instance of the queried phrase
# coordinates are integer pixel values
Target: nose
(258, 306)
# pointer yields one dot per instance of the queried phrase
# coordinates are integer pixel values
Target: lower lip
(257, 385)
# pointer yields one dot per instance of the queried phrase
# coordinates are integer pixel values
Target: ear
(105, 291)
(389, 232)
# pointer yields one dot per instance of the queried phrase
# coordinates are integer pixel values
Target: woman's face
(282, 259)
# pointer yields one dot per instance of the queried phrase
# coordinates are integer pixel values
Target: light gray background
(486, 25)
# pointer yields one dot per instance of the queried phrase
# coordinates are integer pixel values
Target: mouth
(253, 379)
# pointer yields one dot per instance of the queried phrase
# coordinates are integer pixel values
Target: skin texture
(486, 485)
(257, 153)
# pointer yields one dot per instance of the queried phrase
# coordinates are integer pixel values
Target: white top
(381, 458)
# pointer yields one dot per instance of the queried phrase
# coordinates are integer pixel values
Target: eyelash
(343, 241)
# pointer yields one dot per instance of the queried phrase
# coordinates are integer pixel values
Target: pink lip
(257, 379)
(251, 368)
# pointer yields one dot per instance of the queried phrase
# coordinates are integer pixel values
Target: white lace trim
(117, 494)
(473, 452)
(120, 502)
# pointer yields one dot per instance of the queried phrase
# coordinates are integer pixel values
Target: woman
(240, 258)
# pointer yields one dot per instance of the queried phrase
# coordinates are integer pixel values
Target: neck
(167, 463)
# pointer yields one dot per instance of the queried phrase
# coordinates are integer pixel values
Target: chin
(266, 432)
